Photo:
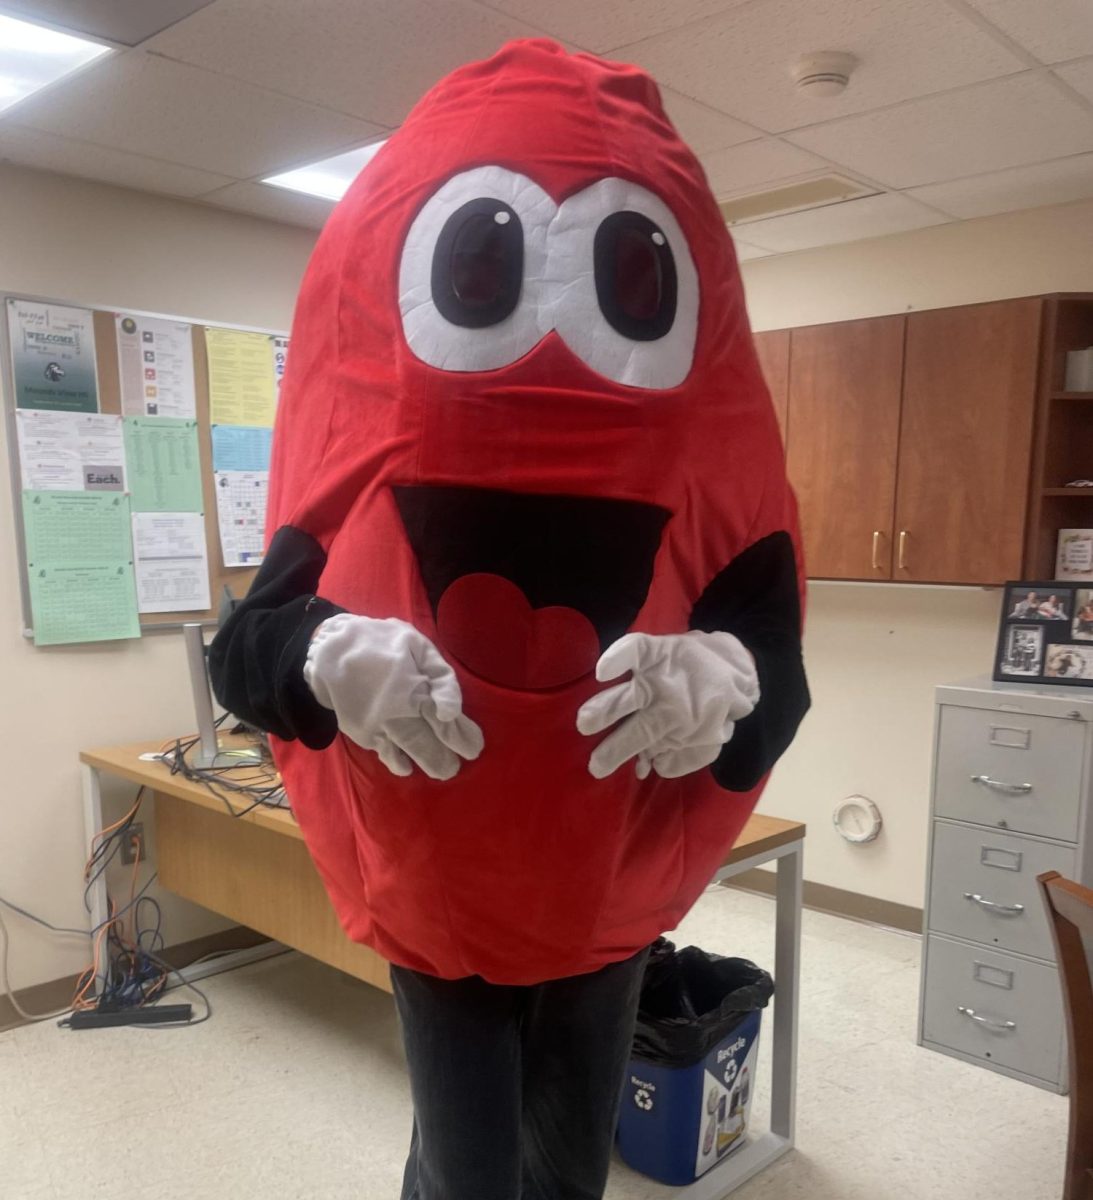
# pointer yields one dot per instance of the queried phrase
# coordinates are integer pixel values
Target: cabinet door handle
(876, 547)
(996, 785)
(972, 1015)
(903, 549)
(1015, 909)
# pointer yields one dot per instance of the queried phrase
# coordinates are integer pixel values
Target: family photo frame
(1045, 634)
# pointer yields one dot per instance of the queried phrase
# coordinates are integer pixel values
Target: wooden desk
(255, 869)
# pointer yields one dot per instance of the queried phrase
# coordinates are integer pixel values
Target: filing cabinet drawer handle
(1015, 909)
(972, 1015)
(1015, 789)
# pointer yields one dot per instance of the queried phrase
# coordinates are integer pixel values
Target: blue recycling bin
(689, 1085)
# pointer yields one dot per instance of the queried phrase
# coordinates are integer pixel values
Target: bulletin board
(110, 401)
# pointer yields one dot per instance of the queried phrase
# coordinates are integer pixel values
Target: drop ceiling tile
(756, 164)
(1007, 123)
(147, 105)
(48, 152)
(746, 253)
(277, 204)
(126, 22)
(702, 128)
(1051, 30)
(739, 62)
(1056, 182)
(602, 24)
(1079, 75)
(872, 216)
(372, 60)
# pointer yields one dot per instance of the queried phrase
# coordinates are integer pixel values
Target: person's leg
(462, 1043)
(576, 1045)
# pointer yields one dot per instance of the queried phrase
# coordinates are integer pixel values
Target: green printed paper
(164, 466)
(79, 566)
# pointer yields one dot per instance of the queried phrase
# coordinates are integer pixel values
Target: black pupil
(478, 264)
(638, 276)
(478, 261)
(635, 276)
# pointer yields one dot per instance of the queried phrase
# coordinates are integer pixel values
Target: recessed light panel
(329, 178)
(809, 193)
(32, 57)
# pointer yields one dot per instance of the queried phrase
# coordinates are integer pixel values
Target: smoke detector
(823, 73)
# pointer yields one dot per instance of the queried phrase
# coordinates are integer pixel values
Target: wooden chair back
(1070, 907)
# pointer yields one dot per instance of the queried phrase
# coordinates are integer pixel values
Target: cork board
(238, 579)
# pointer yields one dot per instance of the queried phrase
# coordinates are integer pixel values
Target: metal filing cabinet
(1012, 798)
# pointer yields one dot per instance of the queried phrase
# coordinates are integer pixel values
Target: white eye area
(491, 264)
(623, 286)
(470, 278)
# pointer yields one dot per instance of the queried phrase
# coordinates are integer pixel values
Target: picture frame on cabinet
(1083, 615)
(1045, 634)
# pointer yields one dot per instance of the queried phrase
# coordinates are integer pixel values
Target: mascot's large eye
(635, 276)
(478, 264)
(624, 285)
(471, 276)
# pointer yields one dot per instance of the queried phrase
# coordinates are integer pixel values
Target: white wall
(99, 245)
(874, 653)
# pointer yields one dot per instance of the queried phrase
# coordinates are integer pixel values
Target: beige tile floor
(295, 1090)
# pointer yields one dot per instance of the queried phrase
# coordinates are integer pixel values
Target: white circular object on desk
(858, 819)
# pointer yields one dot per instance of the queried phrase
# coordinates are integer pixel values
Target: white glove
(392, 693)
(686, 694)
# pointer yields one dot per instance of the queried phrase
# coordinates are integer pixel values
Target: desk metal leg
(758, 1153)
(92, 816)
(787, 973)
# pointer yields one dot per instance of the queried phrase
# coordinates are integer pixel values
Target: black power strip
(158, 1014)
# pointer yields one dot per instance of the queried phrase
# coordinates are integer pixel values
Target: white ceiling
(958, 108)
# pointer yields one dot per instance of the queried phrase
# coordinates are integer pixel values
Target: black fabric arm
(756, 599)
(256, 661)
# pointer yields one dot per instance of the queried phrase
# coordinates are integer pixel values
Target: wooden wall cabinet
(910, 442)
(1063, 449)
(965, 446)
(844, 405)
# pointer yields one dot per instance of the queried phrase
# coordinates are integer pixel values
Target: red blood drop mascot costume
(527, 634)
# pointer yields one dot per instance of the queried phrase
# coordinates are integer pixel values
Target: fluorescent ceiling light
(32, 57)
(328, 178)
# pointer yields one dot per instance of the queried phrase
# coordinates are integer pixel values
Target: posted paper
(53, 357)
(156, 366)
(70, 451)
(241, 377)
(172, 562)
(241, 448)
(280, 357)
(241, 509)
(164, 465)
(80, 566)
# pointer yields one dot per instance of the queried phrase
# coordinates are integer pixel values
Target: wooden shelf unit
(1063, 445)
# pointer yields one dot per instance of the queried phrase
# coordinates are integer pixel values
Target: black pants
(516, 1089)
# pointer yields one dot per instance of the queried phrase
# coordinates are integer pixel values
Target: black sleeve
(756, 599)
(256, 661)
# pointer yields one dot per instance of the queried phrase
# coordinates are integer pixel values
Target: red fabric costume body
(523, 867)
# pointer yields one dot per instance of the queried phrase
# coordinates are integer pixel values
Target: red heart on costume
(488, 624)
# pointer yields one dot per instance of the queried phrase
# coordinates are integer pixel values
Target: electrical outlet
(132, 842)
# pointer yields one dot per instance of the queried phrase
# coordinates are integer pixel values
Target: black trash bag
(690, 999)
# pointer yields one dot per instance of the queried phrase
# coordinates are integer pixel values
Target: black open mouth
(583, 553)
